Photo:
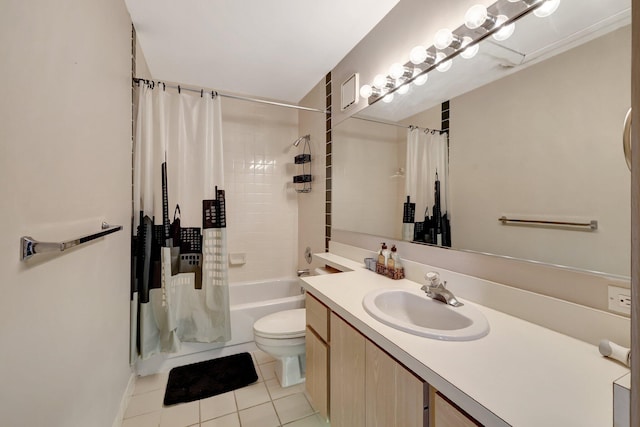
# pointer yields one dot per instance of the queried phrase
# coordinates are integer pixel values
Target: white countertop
(520, 374)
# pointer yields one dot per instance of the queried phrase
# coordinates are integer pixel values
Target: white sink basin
(414, 312)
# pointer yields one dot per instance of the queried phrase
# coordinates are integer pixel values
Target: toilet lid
(283, 324)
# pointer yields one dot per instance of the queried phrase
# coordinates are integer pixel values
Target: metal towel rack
(591, 225)
(30, 247)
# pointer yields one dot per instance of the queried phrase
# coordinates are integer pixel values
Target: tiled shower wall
(262, 209)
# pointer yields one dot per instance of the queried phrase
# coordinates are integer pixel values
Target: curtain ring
(201, 93)
(179, 90)
(164, 87)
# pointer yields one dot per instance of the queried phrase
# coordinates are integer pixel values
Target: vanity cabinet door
(347, 366)
(317, 358)
(394, 396)
(447, 415)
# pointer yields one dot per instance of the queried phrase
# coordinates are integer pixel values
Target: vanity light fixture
(419, 79)
(399, 71)
(480, 22)
(469, 52)
(506, 31)
(477, 16)
(547, 8)
(445, 38)
(443, 65)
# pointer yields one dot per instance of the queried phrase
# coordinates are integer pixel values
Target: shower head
(299, 140)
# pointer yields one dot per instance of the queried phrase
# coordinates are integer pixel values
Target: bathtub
(249, 301)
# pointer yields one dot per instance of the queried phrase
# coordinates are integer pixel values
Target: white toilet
(281, 335)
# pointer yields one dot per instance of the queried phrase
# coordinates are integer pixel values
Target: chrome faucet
(304, 272)
(436, 290)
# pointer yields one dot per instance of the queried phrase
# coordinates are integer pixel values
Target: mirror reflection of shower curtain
(427, 153)
(183, 134)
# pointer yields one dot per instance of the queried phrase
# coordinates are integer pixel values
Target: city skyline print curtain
(179, 280)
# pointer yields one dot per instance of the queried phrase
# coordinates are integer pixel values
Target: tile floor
(261, 404)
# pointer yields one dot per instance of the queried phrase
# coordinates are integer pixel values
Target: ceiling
(269, 49)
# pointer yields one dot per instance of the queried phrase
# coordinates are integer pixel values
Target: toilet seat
(281, 325)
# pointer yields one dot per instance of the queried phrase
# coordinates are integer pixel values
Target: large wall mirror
(535, 133)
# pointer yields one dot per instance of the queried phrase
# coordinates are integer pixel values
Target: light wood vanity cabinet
(317, 354)
(354, 383)
(394, 396)
(368, 387)
(445, 414)
(347, 381)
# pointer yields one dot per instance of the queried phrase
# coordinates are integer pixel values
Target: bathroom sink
(414, 312)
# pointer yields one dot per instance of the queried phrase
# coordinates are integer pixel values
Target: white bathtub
(249, 301)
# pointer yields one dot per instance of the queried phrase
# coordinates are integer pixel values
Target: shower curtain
(426, 183)
(179, 280)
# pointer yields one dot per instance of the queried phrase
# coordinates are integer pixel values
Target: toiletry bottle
(382, 255)
(398, 268)
(392, 259)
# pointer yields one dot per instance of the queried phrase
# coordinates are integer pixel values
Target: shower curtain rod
(228, 95)
(400, 126)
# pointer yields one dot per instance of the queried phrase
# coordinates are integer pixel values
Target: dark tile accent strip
(328, 162)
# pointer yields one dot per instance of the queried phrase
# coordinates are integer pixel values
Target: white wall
(503, 162)
(65, 165)
(262, 209)
(311, 206)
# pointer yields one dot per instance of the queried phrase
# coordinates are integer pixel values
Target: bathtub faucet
(304, 272)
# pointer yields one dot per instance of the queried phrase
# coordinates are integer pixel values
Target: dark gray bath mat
(209, 378)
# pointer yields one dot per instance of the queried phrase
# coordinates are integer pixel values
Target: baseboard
(124, 402)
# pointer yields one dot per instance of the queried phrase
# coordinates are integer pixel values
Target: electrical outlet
(620, 299)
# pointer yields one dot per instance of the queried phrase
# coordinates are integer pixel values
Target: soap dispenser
(383, 255)
(396, 269)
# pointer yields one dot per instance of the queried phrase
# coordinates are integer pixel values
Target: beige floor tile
(150, 383)
(292, 408)
(259, 416)
(145, 403)
(312, 421)
(217, 406)
(230, 420)
(277, 392)
(180, 415)
(268, 371)
(251, 395)
(151, 419)
(262, 357)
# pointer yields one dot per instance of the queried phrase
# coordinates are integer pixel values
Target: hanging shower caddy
(303, 180)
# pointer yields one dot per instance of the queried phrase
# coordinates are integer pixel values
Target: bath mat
(210, 378)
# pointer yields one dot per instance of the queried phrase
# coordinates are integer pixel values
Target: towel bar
(592, 225)
(30, 247)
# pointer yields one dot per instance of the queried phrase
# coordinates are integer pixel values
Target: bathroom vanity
(361, 372)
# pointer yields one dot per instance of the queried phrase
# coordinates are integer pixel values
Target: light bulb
(475, 16)
(403, 89)
(442, 66)
(379, 81)
(471, 51)
(396, 71)
(421, 79)
(388, 98)
(443, 38)
(366, 91)
(547, 8)
(504, 32)
(418, 55)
